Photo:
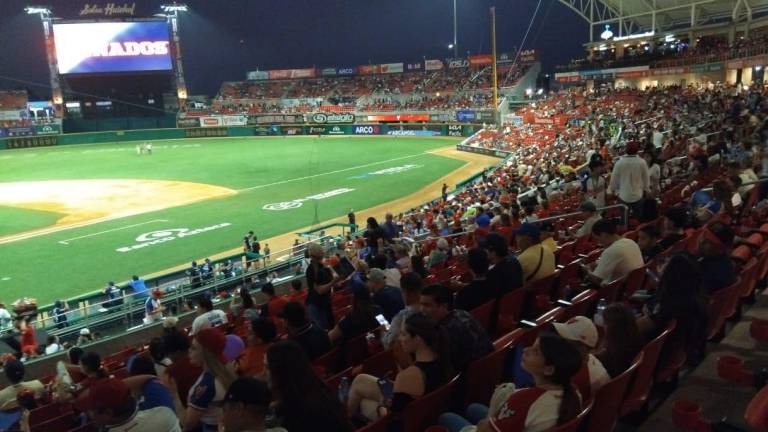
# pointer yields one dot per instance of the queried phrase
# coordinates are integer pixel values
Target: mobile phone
(527, 323)
(387, 388)
(383, 321)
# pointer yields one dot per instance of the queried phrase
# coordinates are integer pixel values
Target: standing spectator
(207, 316)
(444, 192)
(439, 255)
(206, 270)
(622, 339)
(581, 331)
(388, 298)
(246, 404)
(630, 180)
(302, 402)
(595, 185)
(111, 407)
(181, 374)
(114, 295)
(59, 314)
(467, 339)
(262, 333)
(374, 235)
(14, 372)
(311, 337)
(267, 253)
(714, 251)
(195, 279)
(139, 287)
(536, 260)
(410, 285)
(275, 304)
(351, 219)
(320, 281)
(153, 308)
(620, 255)
(654, 173)
(28, 337)
(478, 291)
(390, 228)
(205, 397)
(5, 317)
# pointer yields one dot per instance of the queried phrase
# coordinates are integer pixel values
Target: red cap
(105, 393)
(213, 341)
(333, 261)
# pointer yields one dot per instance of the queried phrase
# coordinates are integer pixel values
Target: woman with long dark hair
(423, 341)
(361, 319)
(552, 361)
(622, 339)
(303, 402)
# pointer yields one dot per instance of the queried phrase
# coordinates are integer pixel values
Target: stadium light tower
(43, 11)
(46, 17)
(171, 13)
(455, 43)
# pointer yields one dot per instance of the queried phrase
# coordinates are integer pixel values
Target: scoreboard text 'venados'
(106, 47)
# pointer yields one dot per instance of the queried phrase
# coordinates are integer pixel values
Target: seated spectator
(297, 294)
(679, 297)
(714, 252)
(85, 337)
(14, 372)
(552, 401)
(467, 340)
(181, 374)
(245, 406)
(111, 407)
(139, 287)
(275, 304)
(439, 255)
(72, 364)
(311, 337)
(52, 345)
(479, 291)
(704, 205)
(207, 316)
(622, 341)
(392, 274)
(620, 255)
(302, 402)
(589, 213)
(204, 400)
(262, 333)
(673, 225)
(90, 366)
(422, 339)
(505, 273)
(411, 288)
(388, 298)
(158, 355)
(547, 236)
(360, 320)
(149, 391)
(648, 241)
(536, 260)
(581, 331)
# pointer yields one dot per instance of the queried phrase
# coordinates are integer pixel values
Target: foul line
(331, 172)
(67, 241)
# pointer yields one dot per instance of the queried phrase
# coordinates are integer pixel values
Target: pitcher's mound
(90, 201)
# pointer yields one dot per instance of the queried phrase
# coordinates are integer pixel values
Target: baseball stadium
(509, 216)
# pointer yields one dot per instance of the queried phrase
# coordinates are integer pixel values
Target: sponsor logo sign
(188, 122)
(388, 171)
(210, 121)
(287, 205)
(49, 129)
(20, 131)
(238, 120)
(367, 130)
(482, 150)
(414, 66)
(399, 118)
(275, 119)
(110, 9)
(346, 71)
(480, 60)
(458, 63)
(413, 133)
(154, 238)
(315, 130)
(433, 65)
(328, 72)
(455, 130)
(332, 118)
(335, 130)
(292, 73)
(528, 56)
(466, 115)
(292, 131)
(257, 75)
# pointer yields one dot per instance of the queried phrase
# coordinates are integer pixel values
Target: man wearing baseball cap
(581, 331)
(111, 406)
(388, 298)
(245, 406)
(537, 261)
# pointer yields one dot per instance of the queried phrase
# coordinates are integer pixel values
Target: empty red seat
(640, 389)
(575, 423)
(756, 414)
(422, 412)
(609, 398)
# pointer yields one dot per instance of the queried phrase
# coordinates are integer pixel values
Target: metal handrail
(567, 215)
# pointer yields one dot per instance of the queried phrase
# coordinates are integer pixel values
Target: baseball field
(74, 217)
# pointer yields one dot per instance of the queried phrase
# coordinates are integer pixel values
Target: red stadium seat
(47, 412)
(640, 389)
(484, 374)
(576, 423)
(756, 414)
(382, 364)
(483, 314)
(510, 309)
(582, 304)
(422, 412)
(609, 398)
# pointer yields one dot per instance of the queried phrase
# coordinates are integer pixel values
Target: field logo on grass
(287, 205)
(161, 236)
(388, 171)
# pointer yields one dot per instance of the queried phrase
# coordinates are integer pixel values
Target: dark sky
(222, 39)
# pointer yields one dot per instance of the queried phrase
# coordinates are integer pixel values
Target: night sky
(222, 39)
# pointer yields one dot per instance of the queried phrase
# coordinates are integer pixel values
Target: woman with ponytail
(552, 361)
(421, 339)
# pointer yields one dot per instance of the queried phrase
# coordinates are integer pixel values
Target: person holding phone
(372, 397)
(361, 319)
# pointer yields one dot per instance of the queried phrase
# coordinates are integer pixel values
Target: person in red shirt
(274, 306)
(28, 338)
(261, 334)
(181, 373)
(298, 293)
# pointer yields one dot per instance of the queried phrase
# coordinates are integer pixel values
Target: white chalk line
(68, 241)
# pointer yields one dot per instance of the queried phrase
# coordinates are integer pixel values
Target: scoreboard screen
(112, 47)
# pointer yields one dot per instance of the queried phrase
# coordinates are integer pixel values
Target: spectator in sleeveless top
(553, 400)
(360, 320)
(422, 339)
(582, 333)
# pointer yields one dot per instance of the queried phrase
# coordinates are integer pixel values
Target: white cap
(84, 332)
(579, 329)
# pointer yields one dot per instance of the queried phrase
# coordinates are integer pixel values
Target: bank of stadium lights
(174, 8)
(43, 11)
(450, 46)
(607, 33)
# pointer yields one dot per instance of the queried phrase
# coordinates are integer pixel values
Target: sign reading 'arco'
(332, 118)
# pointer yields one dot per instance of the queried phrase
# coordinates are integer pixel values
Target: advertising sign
(328, 72)
(316, 130)
(3, 133)
(433, 65)
(485, 116)
(266, 130)
(336, 130)
(528, 56)
(20, 131)
(414, 66)
(466, 115)
(49, 129)
(293, 130)
(235, 120)
(205, 132)
(480, 60)
(275, 119)
(367, 130)
(12, 114)
(413, 133)
(188, 122)
(391, 68)
(482, 150)
(332, 118)
(455, 130)
(346, 71)
(257, 75)
(104, 47)
(212, 121)
(398, 118)
(291, 73)
(458, 63)
(32, 141)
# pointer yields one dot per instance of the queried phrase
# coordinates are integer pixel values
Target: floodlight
(607, 33)
(176, 7)
(43, 11)
(450, 46)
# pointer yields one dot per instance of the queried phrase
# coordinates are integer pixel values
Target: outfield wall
(426, 129)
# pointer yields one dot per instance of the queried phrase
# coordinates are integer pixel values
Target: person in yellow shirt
(536, 260)
(547, 236)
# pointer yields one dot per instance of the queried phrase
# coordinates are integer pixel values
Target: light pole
(171, 12)
(46, 17)
(455, 32)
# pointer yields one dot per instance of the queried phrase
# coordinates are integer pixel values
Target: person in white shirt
(590, 215)
(630, 180)
(5, 317)
(595, 184)
(654, 174)
(52, 345)
(620, 255)
(208, 316)
(582, 332)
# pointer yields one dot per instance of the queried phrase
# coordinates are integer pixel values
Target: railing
(624, 207)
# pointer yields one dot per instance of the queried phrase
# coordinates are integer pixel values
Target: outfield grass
(262, 170)
(14, 219)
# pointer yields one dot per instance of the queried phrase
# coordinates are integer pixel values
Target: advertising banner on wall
(292, 73)
(211, 121)
(12, 114)
(48, 129)
(368, 129)
(391, 68)
(235, 120)
(405, 132)
(343, 71)
(458, 63)
(275, 119)
(433, 65)
(257, 75)
(414, 66)
(485, 116)
(20, 131)
(398, 118)
(483, 150)
(205, 132)
(293, 130)
(480, 60)
(528, 56)
(331, 118)
(188, 122)
(455, 130)
(466, 115)
(328, 72)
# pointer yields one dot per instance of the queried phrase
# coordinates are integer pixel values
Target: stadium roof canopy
(630, 17)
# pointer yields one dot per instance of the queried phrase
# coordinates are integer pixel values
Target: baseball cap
(377, 274)
(578, 329)
(529, 230)
(84, 332)
(483, 220)
(105, 393)
(249, 391)
(588, 206)
(213, 341)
